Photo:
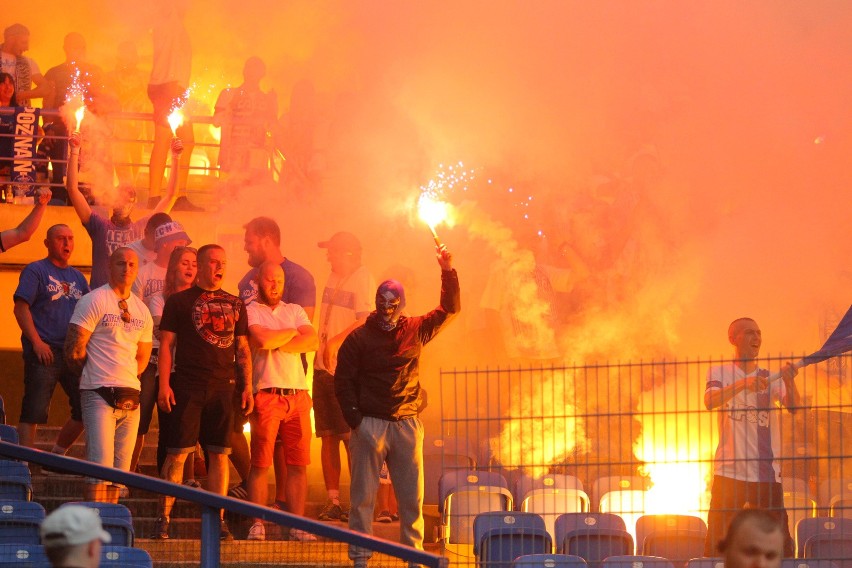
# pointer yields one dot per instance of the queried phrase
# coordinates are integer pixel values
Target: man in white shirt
(745, 468)
(278, 334)
(109, 337)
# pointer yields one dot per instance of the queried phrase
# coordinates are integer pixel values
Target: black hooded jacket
(377, 370)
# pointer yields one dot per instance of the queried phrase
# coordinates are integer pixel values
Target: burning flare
(432, 211)
(175, 120)
(78, 115)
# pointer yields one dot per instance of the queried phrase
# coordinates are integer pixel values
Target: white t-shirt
(274, 367)
(149, 281)
(749, 437)
(111, 351)
(145, 254)
(344, 301)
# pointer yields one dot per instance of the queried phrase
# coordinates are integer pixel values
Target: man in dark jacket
(379, 392)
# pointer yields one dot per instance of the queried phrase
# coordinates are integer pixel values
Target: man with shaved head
(109, 337)
(278, 333)
(755, 539)
(48, 291)
(746, 472)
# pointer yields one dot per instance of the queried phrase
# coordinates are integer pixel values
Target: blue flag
(839, 342)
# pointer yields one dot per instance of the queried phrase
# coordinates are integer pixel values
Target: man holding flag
(745, 469)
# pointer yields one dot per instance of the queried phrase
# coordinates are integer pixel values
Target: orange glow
(678, 488)
(175, 120)
(432, 211)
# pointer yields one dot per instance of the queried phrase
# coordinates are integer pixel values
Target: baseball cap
(170, 231)
(342, 241)
(71, 525)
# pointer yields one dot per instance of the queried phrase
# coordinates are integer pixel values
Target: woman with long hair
(180, 275)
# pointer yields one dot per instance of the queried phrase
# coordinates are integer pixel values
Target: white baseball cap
(70, 525)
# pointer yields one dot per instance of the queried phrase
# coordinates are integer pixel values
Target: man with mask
(377, 384)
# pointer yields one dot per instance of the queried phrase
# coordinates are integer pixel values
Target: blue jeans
(110, 433)
(40, 382)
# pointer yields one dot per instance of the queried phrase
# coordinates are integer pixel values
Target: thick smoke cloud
(694, 157)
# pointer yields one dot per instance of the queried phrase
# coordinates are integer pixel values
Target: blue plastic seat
(592, 536)
(463, 495)
(707, 562)
(678, 538)
(501, 537)
(125, 557)
(15, 481)
(549, 561)
(807, 563)
(27, 555)
(20, 521)
(9, 433)
(825, 526)
(604, 485)
(629, 561)
(116, 520)
(441, 456)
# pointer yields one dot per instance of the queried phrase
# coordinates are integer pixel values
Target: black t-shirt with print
(206, 324)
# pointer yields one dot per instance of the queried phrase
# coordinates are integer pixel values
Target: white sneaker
(257, 531)
(303, 536)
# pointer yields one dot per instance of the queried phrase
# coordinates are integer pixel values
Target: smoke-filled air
(664, 166)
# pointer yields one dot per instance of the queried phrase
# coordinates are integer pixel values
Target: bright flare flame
(79, 114)
(431, 210)
(175, 120)
(678, 488)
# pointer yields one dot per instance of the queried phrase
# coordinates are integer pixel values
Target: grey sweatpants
(400, 444)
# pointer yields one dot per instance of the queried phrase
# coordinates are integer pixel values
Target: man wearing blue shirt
(48, 291)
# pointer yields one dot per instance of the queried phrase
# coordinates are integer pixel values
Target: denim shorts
(110, 433)
(40, 382)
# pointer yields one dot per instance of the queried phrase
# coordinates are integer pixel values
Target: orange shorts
(284, 417)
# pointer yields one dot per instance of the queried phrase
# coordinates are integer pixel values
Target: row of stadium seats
(569, 561)
(464, 495)
(20, 519)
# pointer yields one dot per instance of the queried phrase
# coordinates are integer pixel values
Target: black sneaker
(161, 529)
(183, 204)
(224, 531)
(344, 515)
(384, 517)
(330, 512)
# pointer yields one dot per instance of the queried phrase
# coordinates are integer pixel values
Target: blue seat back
(549, 561)
(113, 556)
(679, 538)
(831, 488)
(501, 537)
(15, 481)
(526, 484)
(116, 520)
(638, 561)
(834, 547)
(807, 563)
(810, 527)
(20, 521)
(706, 563)
(9, 433)
(604, 485)
(435, 465)
(27, 555)
(469, 493)
(592, 536)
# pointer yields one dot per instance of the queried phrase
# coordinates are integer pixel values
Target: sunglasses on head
(125, 314)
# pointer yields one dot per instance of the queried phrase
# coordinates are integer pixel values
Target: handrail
(211, 503)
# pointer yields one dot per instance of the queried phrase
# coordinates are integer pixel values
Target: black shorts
(328, 417)
(200, 414)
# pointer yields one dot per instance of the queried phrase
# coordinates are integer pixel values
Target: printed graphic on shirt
(215, 318)
(249, 294)
(116, 238)
(61, 289)
(114, 320)
(338, 298)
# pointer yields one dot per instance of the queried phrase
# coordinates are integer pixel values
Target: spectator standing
(377, 384)
(347, 300)
(119, 230)
(48, 290)
(16, 40)
(208, 330)
(109, 337)
(278, 333)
